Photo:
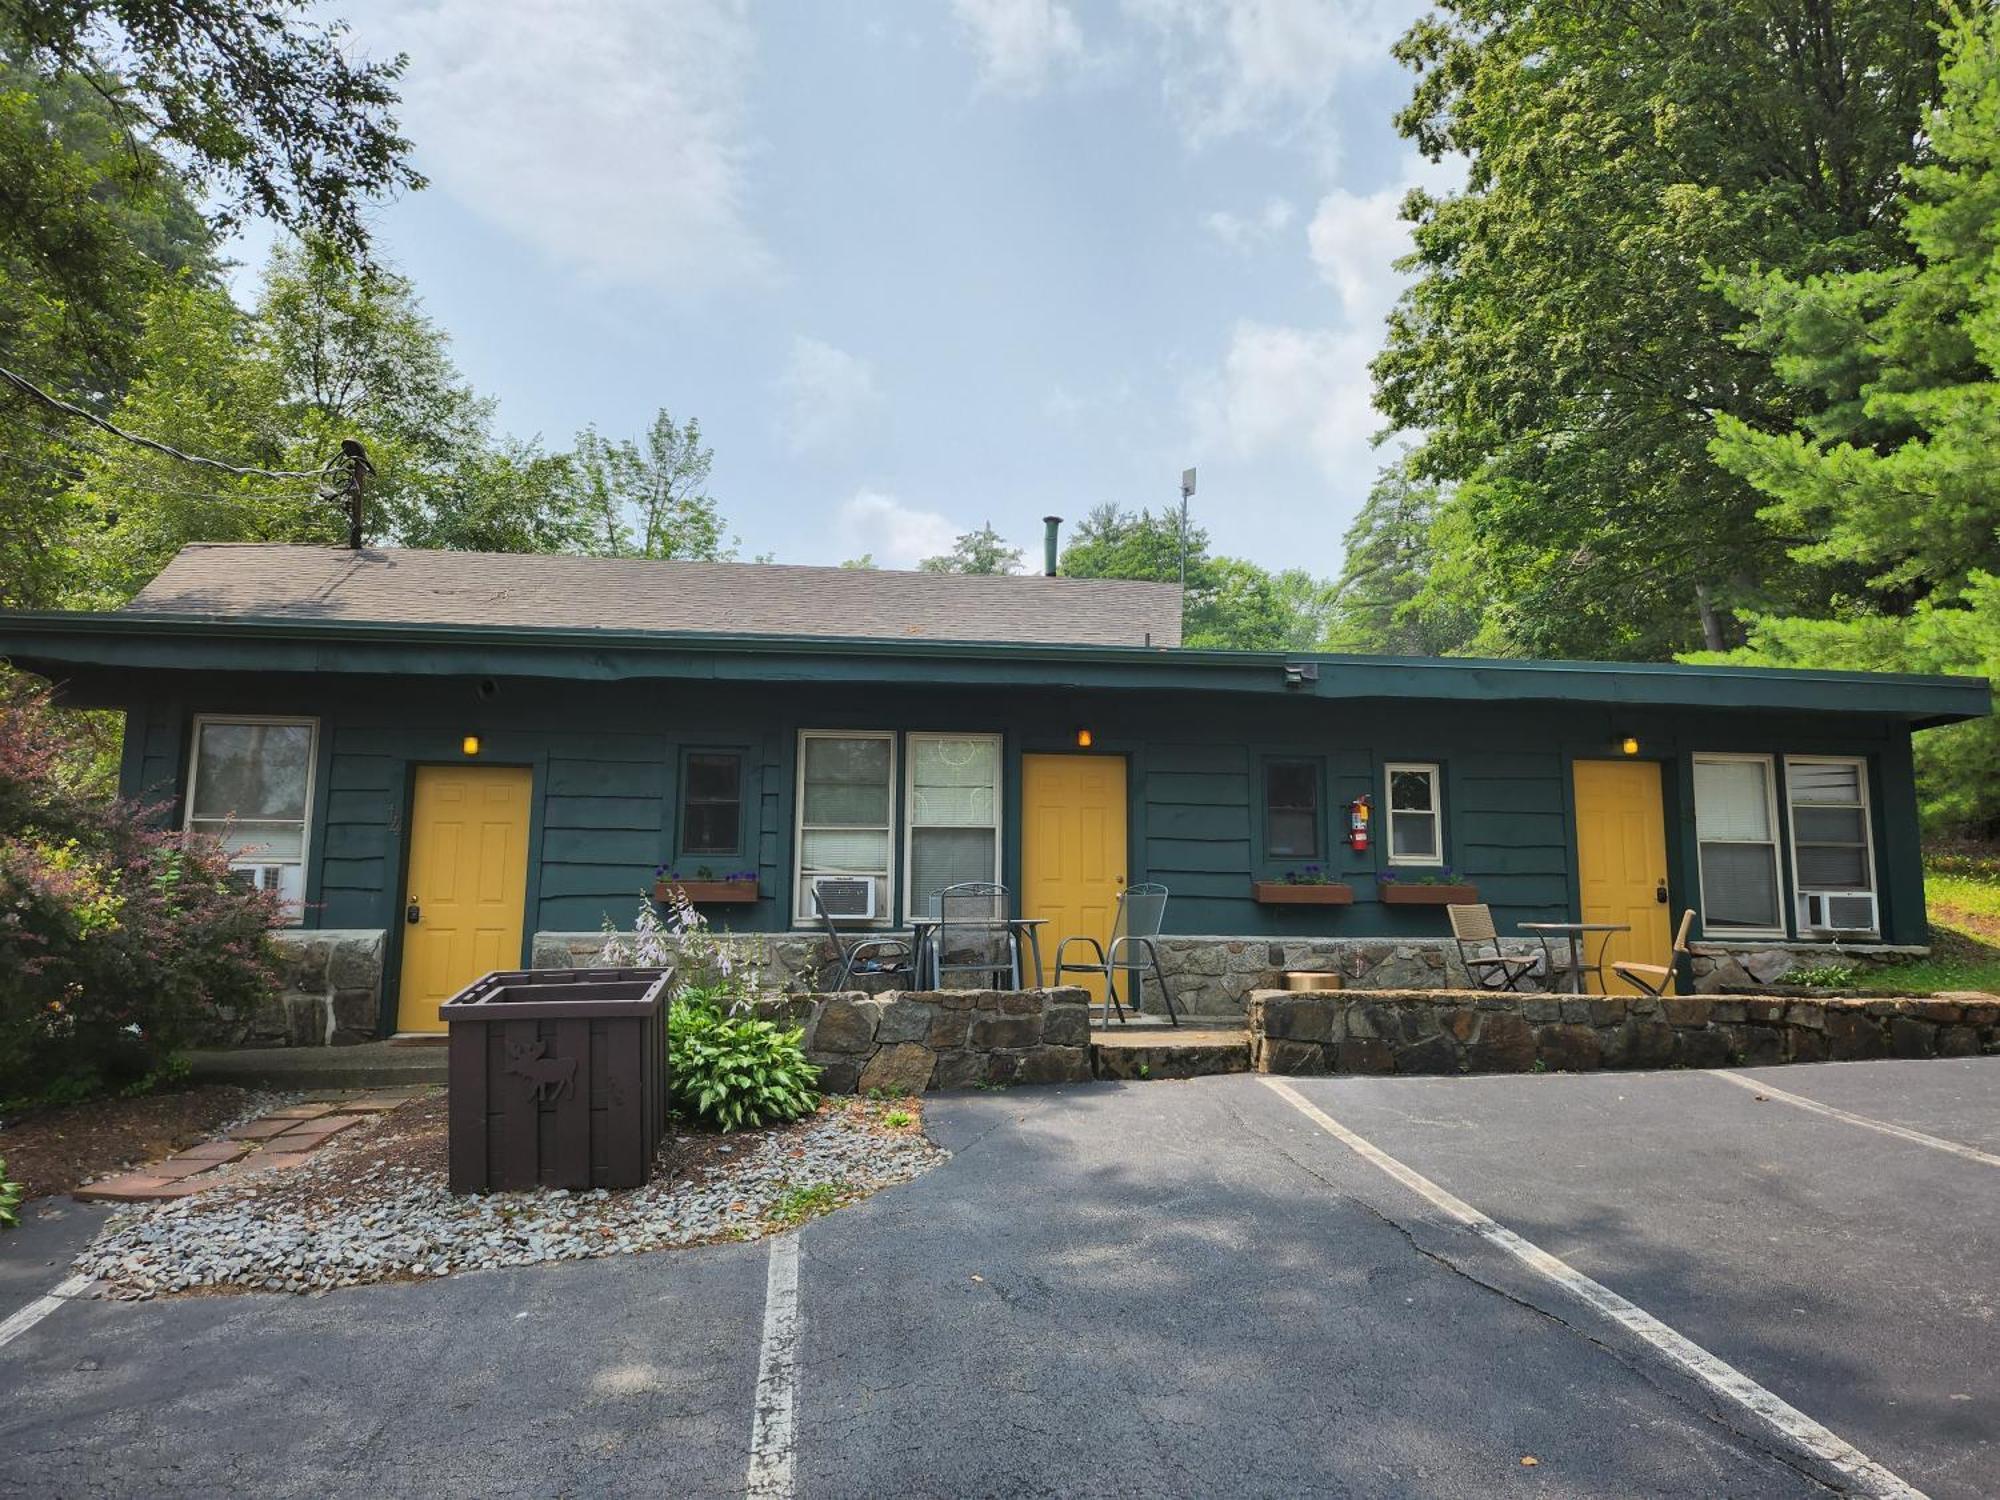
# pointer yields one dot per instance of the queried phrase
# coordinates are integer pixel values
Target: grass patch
(796, 1205)
(1962, 893)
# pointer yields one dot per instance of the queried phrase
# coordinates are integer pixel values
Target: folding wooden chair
(1654, 978)
(1472, 927)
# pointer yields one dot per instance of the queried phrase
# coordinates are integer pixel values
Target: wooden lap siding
(606, 755)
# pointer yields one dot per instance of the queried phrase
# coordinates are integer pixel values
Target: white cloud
(1282, 389)
(895, 534)
(1228, 66)
(1357, 238)
(831, 398)
(1246, 232)
(1020, 43)
(610, 135)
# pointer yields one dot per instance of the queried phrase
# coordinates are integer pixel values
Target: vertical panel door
(1621, 860)
(468, 884)
(1072, 846)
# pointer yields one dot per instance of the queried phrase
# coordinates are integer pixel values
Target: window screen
(1829, 805)
(953, 812)
(1415, 827)
(1291, 809)
(846, 791)
(712, 803)
(252, 789)
(1739, 852)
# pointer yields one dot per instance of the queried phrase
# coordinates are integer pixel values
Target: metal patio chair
(1654, 978)
(1479, 949)
(974, 936)
(1134, 926)
(870, 957)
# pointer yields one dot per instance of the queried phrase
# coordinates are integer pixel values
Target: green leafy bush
(10, 1198)
(120, 942)
(732, 1071)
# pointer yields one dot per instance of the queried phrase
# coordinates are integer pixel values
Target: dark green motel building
(450, 763)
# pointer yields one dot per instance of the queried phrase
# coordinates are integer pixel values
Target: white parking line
(41, 1307)
(772, 1433)
(1722, 1378)
(1901, 1132)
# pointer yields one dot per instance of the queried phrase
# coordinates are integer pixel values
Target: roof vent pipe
(1052, 525)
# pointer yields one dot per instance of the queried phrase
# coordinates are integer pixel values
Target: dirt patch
(55, 1150)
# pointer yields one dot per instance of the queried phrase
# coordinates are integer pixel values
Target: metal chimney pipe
(1053, 524)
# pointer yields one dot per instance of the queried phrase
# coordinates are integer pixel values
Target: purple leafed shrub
(120, 941)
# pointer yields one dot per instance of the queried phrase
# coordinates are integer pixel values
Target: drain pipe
(1051, 524)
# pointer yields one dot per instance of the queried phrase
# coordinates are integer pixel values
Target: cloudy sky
(923, 264)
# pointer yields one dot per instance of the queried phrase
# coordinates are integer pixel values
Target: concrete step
(366, 1066)
(1168, 1051)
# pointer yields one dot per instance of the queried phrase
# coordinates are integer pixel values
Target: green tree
(1891, 476)
(1230, 604)
(649, 498)
(983, 551)
(262, 110)
(1387, 599)
(1566, 344)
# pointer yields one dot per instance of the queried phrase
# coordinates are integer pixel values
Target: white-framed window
(951, 815)
(1833, 851)
(250, 783)
(1414, 810)
(846, 814)
(1736, 828)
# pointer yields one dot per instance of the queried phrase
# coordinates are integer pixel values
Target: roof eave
(129, 641)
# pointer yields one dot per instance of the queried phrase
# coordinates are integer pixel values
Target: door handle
(414, 914)
(1660, 894)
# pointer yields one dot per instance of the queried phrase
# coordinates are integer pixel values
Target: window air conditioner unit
(846, 897)
(1840, 911)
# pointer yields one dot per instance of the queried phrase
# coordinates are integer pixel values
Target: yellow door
(1621, 860)
(1072, 847)
(468, 884)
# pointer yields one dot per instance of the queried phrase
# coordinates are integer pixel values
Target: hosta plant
(737, 1071)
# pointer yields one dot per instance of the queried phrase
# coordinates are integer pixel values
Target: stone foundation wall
(912, 1040)
(1215, 976)
(784, 960)
(331, 995)
(1469, 1032)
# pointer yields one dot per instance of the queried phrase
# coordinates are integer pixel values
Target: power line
(64, 472)
(55, 403)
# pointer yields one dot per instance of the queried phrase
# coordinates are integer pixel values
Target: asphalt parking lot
(1647, 1284)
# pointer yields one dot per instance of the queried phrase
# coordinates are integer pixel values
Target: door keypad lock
(413, 914)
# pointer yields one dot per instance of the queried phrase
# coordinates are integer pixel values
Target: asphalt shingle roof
(395, 586)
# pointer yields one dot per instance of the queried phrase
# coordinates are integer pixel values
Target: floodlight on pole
(1187, 489)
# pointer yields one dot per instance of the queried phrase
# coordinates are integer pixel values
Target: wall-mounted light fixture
(470, 744)
(1083, 739)
(1630, 744)
(1299, 673)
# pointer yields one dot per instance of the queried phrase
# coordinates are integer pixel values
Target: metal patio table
(923, 933)
(1578, 935)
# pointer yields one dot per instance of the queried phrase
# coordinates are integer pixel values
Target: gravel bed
(374, 1207)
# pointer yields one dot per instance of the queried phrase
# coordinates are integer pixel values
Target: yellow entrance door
(468, 884)
(1072, 847)
(1621, 860)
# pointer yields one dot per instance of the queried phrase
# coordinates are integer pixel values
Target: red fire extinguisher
(1358, 812)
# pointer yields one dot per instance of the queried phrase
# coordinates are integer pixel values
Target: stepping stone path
(270, 1143)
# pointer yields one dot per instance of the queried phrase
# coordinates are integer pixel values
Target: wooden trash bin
(559, 1078)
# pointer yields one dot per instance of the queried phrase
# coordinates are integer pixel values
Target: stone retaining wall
(331, 995)
(784, 960)
(1429, 1031)
(1215, 976)
(908, 1041)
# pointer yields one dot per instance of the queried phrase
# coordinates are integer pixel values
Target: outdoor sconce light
(1630, 744)
(1299, 673)
(1083, 739)
(470, 744)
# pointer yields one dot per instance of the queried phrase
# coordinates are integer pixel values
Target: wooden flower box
(1288, 893)
(1396, 893)
(709, 892)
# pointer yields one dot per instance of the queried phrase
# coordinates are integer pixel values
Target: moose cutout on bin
(549, 1078)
